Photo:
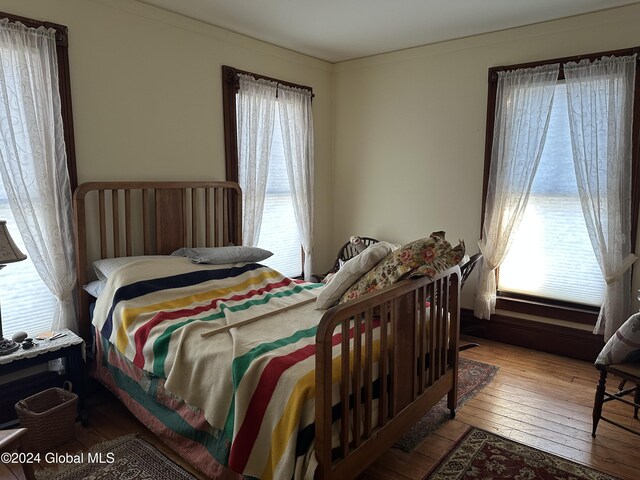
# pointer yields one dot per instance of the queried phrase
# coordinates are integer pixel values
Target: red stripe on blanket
(142, 334)
(245, 439)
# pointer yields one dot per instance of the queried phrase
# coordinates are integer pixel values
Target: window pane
(278, 232)
(551, 255)
(26, 302)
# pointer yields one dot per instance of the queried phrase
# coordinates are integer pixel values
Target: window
(542, 259)
(279, 230)
(279, 233)
(26, 302)
(551, 269)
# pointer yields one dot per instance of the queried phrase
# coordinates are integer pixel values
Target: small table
(69, 346)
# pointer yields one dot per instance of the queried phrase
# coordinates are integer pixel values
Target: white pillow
(223, 255)
(95, 288)
(106, 266)
(351, 272)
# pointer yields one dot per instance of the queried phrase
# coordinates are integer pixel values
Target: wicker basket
(49, 417)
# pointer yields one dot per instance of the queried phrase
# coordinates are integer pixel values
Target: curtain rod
(493, 71)
(62, 31)
(231, 76)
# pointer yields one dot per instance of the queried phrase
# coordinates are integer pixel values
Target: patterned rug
(472, 377)
(127, 457)
(481, 454)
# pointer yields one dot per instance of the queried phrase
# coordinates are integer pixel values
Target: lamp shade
(9, 251)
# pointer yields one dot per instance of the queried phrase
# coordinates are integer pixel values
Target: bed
(362, 390)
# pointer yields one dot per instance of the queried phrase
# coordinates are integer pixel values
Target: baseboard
(542, 336)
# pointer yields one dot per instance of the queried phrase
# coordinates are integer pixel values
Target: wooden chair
(620, 357)
(627, 372)
(11, 441)
(467, 268)
(346, 252)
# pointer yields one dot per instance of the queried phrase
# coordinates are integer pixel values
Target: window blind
(551, 255)
(279, 232)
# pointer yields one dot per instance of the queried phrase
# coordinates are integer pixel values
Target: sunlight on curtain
(33, 162)
(551, 249)
(26, 304)
(523, 105)
(279, 233)
(600, 96)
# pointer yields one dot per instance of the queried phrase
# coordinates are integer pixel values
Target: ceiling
(339, 30)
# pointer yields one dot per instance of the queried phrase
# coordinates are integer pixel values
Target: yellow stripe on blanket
(129, 315)
(304, 389)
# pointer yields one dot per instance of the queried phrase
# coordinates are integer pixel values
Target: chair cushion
(624, 345)
(630, 369)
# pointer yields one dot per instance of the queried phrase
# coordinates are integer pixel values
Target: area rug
(124, 458)
(472, 378)
(481, 454)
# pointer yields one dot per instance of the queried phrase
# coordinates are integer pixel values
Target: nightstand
(69, 346)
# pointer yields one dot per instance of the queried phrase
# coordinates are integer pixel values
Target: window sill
(572, 314)
(556, 337)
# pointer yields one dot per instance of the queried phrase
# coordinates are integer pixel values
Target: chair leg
(636, 400)
(598, 401)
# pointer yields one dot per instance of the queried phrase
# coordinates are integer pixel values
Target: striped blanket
(255, 384)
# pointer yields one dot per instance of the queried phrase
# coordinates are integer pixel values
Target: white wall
(410, 126)
(147, 93)
(399, 137)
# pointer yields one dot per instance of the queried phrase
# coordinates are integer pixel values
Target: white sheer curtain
(33, 162)
(523, 105)
(296, 122)
(255, 110)
(600, 102)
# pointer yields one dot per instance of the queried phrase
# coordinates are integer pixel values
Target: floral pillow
(439, 264)
(421, 257)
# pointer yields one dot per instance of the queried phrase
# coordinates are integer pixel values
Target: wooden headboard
(118, 219)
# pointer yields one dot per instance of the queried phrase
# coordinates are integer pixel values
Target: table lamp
(9, 253)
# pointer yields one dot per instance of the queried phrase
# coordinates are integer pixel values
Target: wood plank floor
(536, 398)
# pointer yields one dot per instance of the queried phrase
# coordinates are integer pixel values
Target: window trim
(230, 87)
(64, 87)
(536, 305)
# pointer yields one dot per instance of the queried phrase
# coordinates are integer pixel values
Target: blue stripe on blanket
(145, 287)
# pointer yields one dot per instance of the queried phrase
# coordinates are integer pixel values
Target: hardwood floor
(536, 398)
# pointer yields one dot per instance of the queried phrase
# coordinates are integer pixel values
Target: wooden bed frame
(419, 318)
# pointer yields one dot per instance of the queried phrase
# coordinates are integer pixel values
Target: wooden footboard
(385, 384)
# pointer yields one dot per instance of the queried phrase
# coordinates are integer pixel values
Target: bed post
(82, 299)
